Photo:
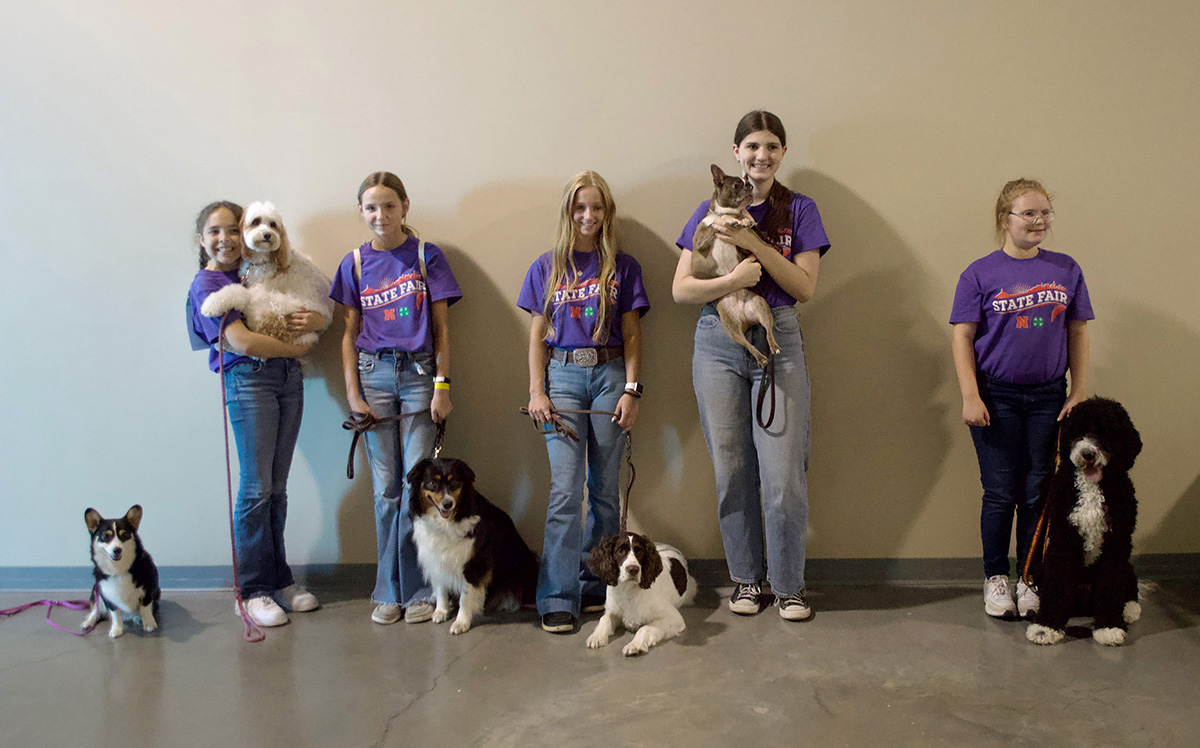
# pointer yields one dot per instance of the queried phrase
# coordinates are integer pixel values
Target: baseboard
(708, 573)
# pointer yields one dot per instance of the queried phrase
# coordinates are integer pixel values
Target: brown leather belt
(587, 356)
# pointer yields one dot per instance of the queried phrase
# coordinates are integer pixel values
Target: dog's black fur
(126, 577)
(466, 545)
(1090, 515)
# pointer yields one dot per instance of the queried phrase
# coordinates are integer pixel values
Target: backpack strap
(358, 265)
(421, 259)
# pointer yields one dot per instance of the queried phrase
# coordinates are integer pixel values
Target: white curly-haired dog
(278, 279)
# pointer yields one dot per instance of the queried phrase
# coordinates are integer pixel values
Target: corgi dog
(126, 577)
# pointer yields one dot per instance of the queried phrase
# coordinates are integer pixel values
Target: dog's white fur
(443, 550)
(278, 279)
(114, 559)
(654, 612)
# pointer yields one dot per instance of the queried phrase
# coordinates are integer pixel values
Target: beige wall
(904, 120)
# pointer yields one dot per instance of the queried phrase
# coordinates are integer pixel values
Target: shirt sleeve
(632, 293)
(345, 286)
(808, 232)
(533, 291)
(441, 283)
(967, 300)
(208, 329)
(689, 231)
(1081, 302)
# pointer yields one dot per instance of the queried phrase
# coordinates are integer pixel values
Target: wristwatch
(633, 388)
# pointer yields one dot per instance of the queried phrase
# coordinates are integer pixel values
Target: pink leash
(50, 605)
(251, 632)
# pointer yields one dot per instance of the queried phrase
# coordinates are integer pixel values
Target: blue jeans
(762, 491)
(265, 399)
(1016, 456)
(594, 461)
(397, 382)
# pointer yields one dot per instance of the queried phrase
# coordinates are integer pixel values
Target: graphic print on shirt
(392, 294)
(583, 298)
(1024, 299)
(783, 242)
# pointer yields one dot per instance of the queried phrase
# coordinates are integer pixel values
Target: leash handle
(251, 631)
(361, 423)
(766, 382)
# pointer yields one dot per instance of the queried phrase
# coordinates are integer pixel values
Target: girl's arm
(688, 289)
(306, 320)
(974, 412)
(440, 407)
(539, 402)
(1078, 349)
(631, 333)
(797, 277)
(241, 339)
(353, 318)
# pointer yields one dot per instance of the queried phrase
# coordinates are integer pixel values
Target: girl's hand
(440, 407)
(1074, 399)
(358, 405)
(731, 230)
(540, 408)
(304, 321)
(975, 413)
(747, 273)
(627, 411)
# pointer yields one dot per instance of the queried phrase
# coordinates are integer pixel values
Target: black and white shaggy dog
(466, 545)
(1090, 515)
(640, 596)
(126, 577)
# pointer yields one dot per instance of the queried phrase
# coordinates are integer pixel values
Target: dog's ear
(134, 516)
(652, 562)
(717, 175)
(92, 518)
(418, 469)
(468, 475)
(283, 258)
(602, 561)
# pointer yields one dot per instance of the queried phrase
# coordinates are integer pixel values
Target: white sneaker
(296, 598)
(418, 612)
(997, 597)
(264, 611)
(1027, 600)
(386, 613)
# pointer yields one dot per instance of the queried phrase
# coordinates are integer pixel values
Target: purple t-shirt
(573, 310)
(392, 298)
(805, 233)
(1021, 309)
(208, 329)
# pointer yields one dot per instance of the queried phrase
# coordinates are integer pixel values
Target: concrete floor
(887, 666)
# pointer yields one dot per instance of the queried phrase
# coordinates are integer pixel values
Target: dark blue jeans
(266, 399)
(1016, 456)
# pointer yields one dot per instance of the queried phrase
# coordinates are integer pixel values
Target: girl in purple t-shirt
(1020, 322)
(586, 301)
(396, 359)
(265, 395)
(762, 492)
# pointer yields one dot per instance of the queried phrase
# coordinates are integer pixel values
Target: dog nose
(116, 554)
(633, 569)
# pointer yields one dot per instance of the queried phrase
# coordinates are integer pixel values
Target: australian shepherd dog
(1090, 515)
(467, 547)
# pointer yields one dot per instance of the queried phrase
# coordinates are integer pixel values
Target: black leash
(561, 428)
(766, 382)
(361, 423)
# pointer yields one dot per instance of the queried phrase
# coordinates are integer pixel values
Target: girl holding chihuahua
(1020, 322)
(394, 293)
(762, 492)
(586, 300)
(265, 395)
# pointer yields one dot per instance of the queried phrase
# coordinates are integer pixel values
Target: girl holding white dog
(265, 396)
(1020, 323)
(394, 293)
(586, 300)
(762, 490)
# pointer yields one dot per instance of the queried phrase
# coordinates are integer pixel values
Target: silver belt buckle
(585, 357)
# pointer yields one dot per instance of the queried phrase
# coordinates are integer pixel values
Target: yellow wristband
(441, 385)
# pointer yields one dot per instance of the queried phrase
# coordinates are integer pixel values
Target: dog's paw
(460, 626)
(149, 624)
(1039, 634)
(635, 648)
(596, 640)
(117, 629)
(92, 619)
(1110, 637)
(441, 615)
(1132, 612)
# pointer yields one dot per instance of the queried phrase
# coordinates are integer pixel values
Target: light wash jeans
(762, 492)
(1016, 456)
(397, 382)
(594, 461)
(265, 399)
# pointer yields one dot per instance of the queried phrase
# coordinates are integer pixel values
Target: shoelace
(748, 592)
(795, 599)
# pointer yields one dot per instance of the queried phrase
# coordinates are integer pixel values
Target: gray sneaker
(418, 612)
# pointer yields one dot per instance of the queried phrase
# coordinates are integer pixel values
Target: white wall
(904, 119)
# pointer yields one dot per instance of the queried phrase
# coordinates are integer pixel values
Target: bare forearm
(538, 355)
(963, 347)
(1078, 352)
(631, 332)
(441, 338)
(688, 289)
(350, 353)
(240, 339)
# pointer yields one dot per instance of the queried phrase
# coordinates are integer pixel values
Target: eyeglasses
(1029, 216)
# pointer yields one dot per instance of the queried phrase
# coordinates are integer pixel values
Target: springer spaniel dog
(1090, 514)
(640, 596)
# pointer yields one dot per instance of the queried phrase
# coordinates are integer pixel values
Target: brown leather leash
(561, 428)
(1042, 532)
(361, 423)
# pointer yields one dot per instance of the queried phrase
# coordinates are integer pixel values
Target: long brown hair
(779, 200)
(393, 183)
(202, 218)
(562, 268)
